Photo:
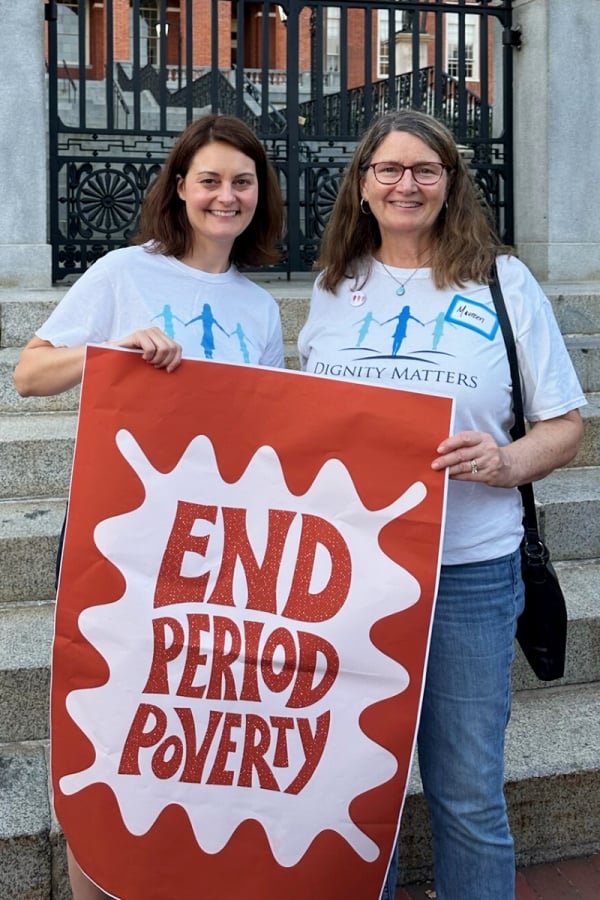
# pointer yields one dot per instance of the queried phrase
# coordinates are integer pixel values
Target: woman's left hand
(474, 456)
(157, 348)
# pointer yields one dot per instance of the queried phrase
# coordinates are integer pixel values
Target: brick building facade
(174, 43)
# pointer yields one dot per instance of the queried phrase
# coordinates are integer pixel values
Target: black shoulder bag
(542, 627)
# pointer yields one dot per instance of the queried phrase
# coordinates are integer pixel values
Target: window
(401, 24)
(332, 39)
(471, 25)
(68, 33)
(149, 32)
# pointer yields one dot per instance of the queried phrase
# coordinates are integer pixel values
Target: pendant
(400, 291)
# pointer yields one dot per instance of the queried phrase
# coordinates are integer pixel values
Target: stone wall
(557, 138)
(25, 257)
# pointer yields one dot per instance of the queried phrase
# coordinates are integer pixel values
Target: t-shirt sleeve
(312, 323)
(273, 354)
(550, 384)
(85, 313)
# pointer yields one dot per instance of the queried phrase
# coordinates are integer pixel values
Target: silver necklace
(401, 289)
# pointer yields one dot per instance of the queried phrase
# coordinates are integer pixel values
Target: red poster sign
(246, 593)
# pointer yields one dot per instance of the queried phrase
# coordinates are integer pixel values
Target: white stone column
(25, 255)
(557, 138)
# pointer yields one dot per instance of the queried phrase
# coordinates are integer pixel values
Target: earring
(366, 212)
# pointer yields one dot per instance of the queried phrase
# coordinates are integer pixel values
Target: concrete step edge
(41, 425)
(568, 484)
(31, 516)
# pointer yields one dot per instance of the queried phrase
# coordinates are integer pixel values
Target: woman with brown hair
(216, 205)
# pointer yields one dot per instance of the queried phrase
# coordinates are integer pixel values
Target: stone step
(37, 449)
(11, 402)
(586, 361)
(580, 583)
(32, 855)
(23, 312)
(576, 306)
(26, 632)
(552, 781)
(552, 786)
(584, 351)
(29, 532)
(568, 506)
(569, 512)
(589, 452)
(554, 736)
(37, 452)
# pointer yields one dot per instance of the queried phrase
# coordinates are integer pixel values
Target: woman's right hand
(158, 349)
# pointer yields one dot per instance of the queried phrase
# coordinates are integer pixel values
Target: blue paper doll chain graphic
(370, 327)
(208, 323)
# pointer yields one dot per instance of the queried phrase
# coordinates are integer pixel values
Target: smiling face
(220, 192)
(405, 208)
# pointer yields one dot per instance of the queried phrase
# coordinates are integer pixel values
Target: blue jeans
(465, 711)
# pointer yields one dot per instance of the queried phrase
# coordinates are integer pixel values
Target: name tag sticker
(472, 315)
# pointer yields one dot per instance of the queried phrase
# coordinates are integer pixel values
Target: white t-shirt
(449, 342)
(224, 317)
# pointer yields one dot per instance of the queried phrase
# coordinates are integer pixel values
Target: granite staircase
(553, 753)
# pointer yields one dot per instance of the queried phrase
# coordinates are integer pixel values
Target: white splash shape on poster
(122, 631)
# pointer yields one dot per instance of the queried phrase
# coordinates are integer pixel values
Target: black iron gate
(126, 76)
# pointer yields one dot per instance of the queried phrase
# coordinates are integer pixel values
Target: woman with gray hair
(403, 300)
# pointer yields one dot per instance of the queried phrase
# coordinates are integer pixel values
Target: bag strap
(518, 430)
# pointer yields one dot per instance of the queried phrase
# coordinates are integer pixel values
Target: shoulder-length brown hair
(164, 222)
(465, 240)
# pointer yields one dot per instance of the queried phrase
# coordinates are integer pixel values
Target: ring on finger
(474, 467)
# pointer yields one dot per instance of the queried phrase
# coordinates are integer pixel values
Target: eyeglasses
(423, 173)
